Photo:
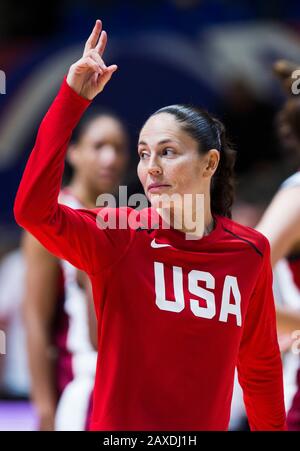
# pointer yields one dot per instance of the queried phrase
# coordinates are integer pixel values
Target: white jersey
(287, 294)
(292, 181)
(78, 339)
(73, 409)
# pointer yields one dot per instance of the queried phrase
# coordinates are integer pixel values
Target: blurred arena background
(213, 53)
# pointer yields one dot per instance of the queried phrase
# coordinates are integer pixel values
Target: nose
(154, 168)
(107, 156)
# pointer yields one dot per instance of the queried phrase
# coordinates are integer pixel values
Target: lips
(157, 186)
(109, 175)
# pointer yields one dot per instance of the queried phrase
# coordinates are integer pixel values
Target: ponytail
(223, 181)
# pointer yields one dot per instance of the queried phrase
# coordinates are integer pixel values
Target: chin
(155, 201)
(108, 186)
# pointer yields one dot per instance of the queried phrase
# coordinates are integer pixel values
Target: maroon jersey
(60, 327)
(175, 316)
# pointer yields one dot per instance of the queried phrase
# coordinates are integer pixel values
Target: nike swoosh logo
(156, 245)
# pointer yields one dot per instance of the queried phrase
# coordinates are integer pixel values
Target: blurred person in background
(14, 378)
(59, 315)
(281, 225)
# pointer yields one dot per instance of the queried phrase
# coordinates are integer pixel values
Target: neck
(195, 222)
(80, 190)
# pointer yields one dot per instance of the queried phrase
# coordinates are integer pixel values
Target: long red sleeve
(259, 361)
(69, 234)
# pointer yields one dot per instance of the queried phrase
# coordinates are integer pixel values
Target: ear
(72, 155)
(212, 159)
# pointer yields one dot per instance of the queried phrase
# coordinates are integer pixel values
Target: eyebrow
(163, 141)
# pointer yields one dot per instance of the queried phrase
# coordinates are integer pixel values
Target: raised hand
(89, 75)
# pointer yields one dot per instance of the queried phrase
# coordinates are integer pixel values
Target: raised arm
(69, 234)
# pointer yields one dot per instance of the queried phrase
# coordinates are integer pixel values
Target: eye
(98, 145)
(168, 151)
(143, 154)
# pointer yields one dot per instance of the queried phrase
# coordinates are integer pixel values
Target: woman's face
(170, 162)
(101, 155)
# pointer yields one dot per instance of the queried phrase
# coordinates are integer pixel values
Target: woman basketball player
(178, 308)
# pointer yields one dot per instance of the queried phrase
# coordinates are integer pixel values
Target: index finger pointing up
(94, 36)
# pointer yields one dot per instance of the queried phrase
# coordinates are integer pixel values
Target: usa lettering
(230, 292)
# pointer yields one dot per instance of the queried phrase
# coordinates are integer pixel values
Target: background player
(61, 353)
(281, 225)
